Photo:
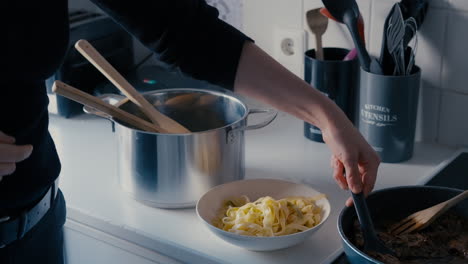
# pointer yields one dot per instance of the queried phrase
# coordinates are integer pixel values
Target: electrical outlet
(289, 46)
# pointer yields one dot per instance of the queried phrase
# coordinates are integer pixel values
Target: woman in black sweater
(183, 33)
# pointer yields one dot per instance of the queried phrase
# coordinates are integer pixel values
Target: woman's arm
(188, 34)
(261, 77)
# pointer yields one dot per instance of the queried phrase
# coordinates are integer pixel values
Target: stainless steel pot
(174, 170)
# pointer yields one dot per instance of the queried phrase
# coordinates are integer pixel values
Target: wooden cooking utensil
(185, 99)
(95, 102)
(182, 102)
(318, 25)
(93, 56)
(424, 218)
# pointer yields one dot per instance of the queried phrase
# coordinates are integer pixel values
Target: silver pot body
(175, 170)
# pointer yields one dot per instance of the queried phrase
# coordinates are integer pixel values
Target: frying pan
(393, 204)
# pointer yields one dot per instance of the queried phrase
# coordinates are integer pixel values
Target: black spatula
(347, 12)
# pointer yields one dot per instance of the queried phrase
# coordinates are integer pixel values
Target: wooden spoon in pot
(79, 96)
(93, 56)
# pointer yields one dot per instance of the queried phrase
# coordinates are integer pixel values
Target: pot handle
(231, 134)
(273, 114)
(113, 99)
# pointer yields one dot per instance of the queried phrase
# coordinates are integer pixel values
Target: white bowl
(209, 204)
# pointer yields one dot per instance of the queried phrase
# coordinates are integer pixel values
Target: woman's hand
(261, 77)
(354, 162)
(10, 154)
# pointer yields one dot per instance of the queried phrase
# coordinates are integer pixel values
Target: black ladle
(347, 12)
(371, 242)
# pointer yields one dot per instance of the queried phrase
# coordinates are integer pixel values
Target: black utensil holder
(387, 113)
(335, 78)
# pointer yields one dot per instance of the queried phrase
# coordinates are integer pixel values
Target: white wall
(442, 54)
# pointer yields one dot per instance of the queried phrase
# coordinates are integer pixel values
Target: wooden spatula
(86, 99)
(424, 218)
(318, 25)
(93, 56)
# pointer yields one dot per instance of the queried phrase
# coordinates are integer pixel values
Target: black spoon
(371, 242)
(347, 12)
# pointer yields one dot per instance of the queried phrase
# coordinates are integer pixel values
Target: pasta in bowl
(263, 214)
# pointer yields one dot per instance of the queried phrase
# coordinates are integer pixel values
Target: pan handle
(113, 99)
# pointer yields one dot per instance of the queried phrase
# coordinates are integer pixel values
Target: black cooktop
(454, 175)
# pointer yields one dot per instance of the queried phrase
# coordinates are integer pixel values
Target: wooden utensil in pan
(95, 102)
(422, 219)
(93, 56)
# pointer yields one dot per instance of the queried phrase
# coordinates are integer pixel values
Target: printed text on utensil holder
(335, 78)
(387, 113)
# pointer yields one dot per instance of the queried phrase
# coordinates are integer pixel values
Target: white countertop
(89, 183)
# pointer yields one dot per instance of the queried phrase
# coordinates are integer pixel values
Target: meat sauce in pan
(444, 241)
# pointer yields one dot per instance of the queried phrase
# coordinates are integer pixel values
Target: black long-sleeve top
(183, 33)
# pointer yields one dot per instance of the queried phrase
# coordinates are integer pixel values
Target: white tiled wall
(453, 125)
(442, 54)
(261, 17)
(456, 52)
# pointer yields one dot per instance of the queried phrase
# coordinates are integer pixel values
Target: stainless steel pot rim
(226, 93)
(351, 245)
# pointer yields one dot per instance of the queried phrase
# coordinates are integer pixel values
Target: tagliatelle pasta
(267, 217)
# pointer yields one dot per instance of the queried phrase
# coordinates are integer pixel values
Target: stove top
(453, 175)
